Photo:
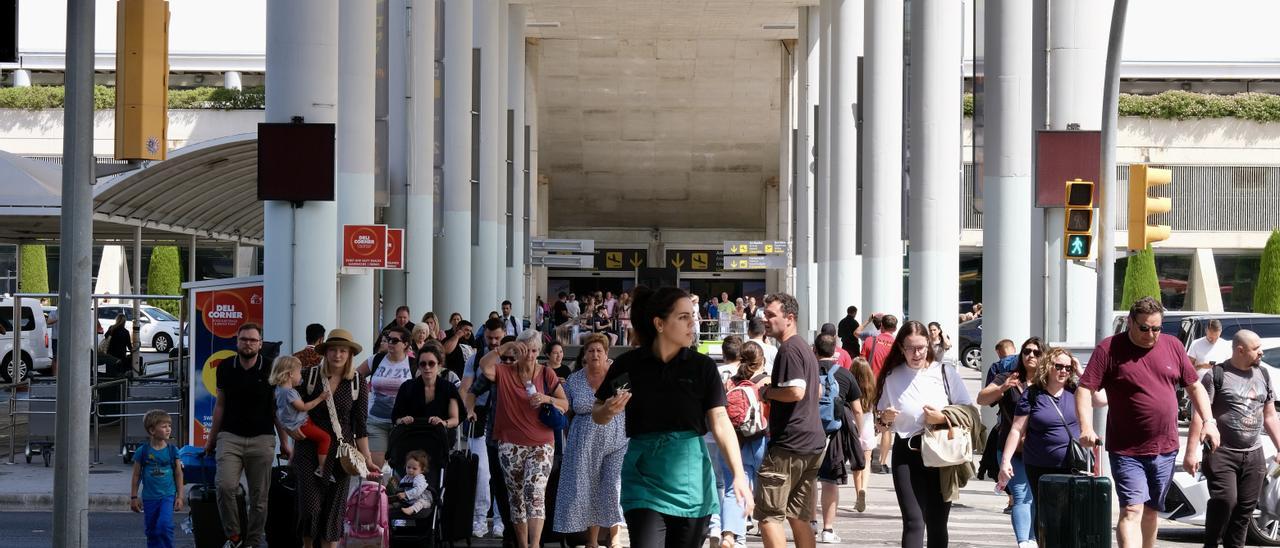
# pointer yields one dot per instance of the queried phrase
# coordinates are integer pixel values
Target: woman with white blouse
(912, 389)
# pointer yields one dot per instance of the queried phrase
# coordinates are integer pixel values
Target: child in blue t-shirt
(157, 468)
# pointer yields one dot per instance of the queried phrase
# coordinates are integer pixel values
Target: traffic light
(142, 79)
(1141, 206)
(1077, 234)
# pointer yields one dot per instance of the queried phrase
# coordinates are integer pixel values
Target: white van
(37, 353)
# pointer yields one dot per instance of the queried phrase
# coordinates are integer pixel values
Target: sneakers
(861, 504)
(881, 469)
(828, 536)
(1028, 544)
(234, 542)
(478, 533)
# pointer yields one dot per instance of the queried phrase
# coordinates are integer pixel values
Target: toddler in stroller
(415, 495)
(416, 453)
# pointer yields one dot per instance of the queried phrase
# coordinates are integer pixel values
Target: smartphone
(622, 382)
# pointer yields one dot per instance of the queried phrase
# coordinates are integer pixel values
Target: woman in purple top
(1045, 420)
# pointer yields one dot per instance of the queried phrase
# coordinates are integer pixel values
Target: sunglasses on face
(391, 340)
(508, 359)
(426, 363)
(1030, 351)
(1150, 328)
(1061, 367)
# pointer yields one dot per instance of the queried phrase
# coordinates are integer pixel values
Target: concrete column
(1077, 63)
(453, 247)
(1007, 196)
(485, 253)
(21, 78)
(396, 214)
(936, 54)
(1203, 290)
(882, 159)
(419, 220)
(538, 193)
(845, 277)
(231, 80)
(354, 158)
(191, 259)
(778, 190)
(822, 190)
(501, 204)
(514, 253)
(806, 61)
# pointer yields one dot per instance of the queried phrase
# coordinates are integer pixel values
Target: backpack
(1219, 372)
(827, 402)
(366, 523)
(745, 410)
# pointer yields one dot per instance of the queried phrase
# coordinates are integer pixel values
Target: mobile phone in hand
(622, 383)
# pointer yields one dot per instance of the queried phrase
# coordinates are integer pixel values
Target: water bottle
(528, 388)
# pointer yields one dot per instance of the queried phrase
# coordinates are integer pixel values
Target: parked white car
(36, 354)
(158, 330)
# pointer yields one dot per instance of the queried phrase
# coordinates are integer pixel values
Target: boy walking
(157, 468)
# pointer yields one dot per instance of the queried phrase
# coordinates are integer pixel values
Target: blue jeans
(732, 518)
(158, 519)
(1023, 500)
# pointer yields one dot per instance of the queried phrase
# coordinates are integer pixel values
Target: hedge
(164, 277)
(1140, 279)
(1184, 105)
(104, 98)
(1266, 298)
(35, 269)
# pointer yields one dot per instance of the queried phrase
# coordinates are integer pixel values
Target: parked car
(969, 341)
(1188, 498)
(158, 329)
(36, 354)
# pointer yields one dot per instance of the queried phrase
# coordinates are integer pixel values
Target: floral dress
(591, 474)
(321, 504)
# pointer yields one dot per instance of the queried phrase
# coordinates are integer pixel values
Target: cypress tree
(1140, 279)
(1266, 295)
(164, 277)
(35, 269)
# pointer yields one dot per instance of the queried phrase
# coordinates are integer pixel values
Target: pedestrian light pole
(71, 475)
(1107, 195)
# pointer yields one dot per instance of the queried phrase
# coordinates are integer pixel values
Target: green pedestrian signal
(1077, 229)
(1078, 246)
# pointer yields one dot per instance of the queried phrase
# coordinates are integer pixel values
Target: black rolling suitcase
(1073, 511)
(206, 524)
(458, 498)
(282, 509)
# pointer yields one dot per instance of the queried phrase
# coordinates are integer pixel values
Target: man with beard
(243, 436)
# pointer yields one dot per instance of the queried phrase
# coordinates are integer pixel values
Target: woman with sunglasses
(1045, 420)
(672, 396)
(429, 395)
(526, 446)
(1004, 389)
(386, 371)
(912, 389)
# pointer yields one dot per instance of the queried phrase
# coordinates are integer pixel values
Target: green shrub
(35, 269)
(1140, 279)
(164, 277)
(1185, 105)
(1266, 296)
(104, 98)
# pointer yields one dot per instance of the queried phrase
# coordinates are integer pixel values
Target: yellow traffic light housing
(1142, 206)
(1077, 234)
(142, 79)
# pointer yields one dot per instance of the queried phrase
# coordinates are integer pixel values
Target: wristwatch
(1211, 421)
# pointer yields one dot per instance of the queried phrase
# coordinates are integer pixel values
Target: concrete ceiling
(664, 19)
(659, 113)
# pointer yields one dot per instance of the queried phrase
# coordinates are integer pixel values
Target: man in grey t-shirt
(1241, 403)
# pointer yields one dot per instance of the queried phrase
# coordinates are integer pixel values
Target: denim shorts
(1143, 479)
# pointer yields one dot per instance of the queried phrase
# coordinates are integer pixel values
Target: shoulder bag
(1079, 459)
(349, 456)
(549, 414)
(949, 446)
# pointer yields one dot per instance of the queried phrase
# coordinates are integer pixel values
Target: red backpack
(747, 412)
(366, 521)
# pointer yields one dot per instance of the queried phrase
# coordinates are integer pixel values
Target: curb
(43, 502)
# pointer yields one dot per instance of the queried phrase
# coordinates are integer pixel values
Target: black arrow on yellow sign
(699, 261)
(636, 260)
(613, 259)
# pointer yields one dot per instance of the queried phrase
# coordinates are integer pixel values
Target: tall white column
(936, 55)
(453, 247)
(516, 269)
(354, 159)
(1007, 192)
(301, 244)
(777, 197)
(806, 59)
(485, 252)
(1077, 62)
(822, 190)
(502, 230)
(882, 159)
(399, 94)
(420, 200)
(845, 278)
(537, 193)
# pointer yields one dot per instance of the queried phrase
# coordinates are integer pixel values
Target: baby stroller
(418, 529)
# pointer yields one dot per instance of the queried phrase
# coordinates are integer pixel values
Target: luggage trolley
(42, 404)
(143, 395)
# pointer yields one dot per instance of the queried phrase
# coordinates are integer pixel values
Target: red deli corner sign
(364, 246)
(395, 249)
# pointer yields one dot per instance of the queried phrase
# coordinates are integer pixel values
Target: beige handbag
(349, 455)
(946, 447)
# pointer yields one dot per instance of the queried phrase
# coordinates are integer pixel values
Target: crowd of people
(680, 448)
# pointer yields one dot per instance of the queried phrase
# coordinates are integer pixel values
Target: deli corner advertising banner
(219, 308)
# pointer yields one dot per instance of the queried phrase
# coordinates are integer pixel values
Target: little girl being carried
(286, 375)
(414, 495)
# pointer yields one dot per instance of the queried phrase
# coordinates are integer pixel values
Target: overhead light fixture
(778, 26)
(543, 24)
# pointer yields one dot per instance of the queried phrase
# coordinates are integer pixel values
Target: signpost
(570, 254)
(755, 247)
(364, 246)
(694, 260)
(395, 249)
(755, 255)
